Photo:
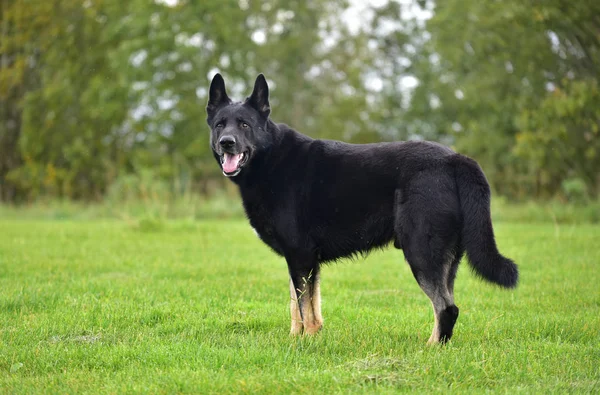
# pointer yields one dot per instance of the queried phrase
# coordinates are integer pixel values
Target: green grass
(188, 306)
(226, 204)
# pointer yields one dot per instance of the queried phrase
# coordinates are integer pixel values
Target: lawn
(202, 306)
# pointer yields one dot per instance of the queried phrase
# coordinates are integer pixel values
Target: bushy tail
(477, 232)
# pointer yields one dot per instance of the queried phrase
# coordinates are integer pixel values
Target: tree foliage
(94, 91)
(515, 85)
(121, 87)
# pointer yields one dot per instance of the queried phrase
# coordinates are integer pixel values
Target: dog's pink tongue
(230, 164)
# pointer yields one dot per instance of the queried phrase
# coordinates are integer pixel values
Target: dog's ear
(259, 99)
(217, 96)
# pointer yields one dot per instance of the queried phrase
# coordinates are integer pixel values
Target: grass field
(184, 306)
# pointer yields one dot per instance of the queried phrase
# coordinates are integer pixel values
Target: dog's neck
(272, 160)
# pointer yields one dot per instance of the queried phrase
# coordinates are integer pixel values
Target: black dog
(315, 201)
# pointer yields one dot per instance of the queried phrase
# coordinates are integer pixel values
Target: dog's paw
(313, 328)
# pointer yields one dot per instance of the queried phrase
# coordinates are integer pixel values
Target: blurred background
(102, 101)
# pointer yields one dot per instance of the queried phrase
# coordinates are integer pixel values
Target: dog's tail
(477, 231)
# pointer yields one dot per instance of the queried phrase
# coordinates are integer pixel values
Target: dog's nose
(226, 141)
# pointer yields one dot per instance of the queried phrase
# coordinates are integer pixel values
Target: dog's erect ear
(259, 99)
(217, 96)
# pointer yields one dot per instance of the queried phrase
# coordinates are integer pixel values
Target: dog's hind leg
(456, 256)
(305, 280)
(445, 311)
(430, 222)
(431, 261)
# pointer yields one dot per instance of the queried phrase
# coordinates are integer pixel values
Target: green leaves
(121, 87)
(94, 91)
(561, 138)
(527, 77)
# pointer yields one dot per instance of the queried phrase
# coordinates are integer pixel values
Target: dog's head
(238, 130)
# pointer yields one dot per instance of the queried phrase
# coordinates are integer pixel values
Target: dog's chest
(262, 219)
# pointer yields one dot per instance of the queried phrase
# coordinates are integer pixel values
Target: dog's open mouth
(232, 163)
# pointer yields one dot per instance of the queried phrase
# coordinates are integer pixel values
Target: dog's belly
(332, 228)
(335, 241)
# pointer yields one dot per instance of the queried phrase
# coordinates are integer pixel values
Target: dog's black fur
(314, 201)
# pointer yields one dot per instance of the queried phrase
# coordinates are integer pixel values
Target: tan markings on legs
(306, 292)
(435, 334)
(297, 326)
(441, 299)
(307, 311)
(308, 317)
(316, 302)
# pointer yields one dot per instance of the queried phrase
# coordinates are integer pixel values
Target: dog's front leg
(304, 285)
(297, 326)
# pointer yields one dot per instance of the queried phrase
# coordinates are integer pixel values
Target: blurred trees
(94, 91)
(513, 84)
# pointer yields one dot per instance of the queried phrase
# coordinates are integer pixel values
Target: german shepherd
(315, 201)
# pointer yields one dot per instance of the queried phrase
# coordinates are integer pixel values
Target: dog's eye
(219, 125)
(245, 125)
